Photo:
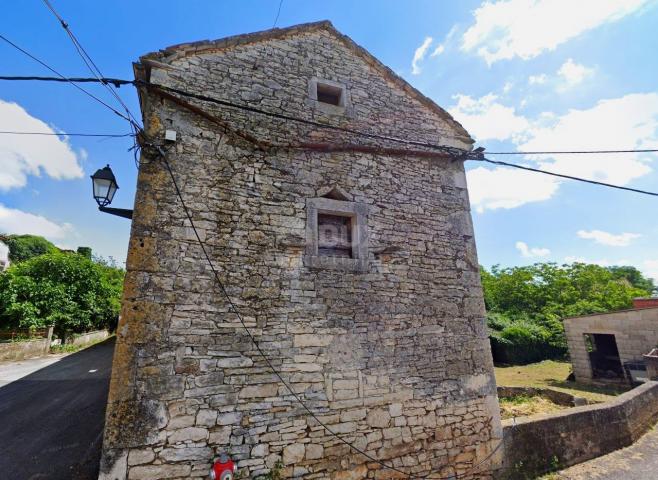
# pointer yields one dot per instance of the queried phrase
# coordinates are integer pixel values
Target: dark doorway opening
(604, 356)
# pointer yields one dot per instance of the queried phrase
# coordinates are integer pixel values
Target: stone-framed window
(336, 234)
(328, 96)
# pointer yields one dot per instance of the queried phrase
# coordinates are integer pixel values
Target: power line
(567, 152)
(89, 94)
(91, 65)
(114, 81)
(65, 134)
(561, 175)
(278, 12)
(282, 116)
(119, 82)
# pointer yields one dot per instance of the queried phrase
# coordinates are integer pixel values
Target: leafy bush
(24, 247)
(69, 291)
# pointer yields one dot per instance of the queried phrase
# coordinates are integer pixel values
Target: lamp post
(104, 187)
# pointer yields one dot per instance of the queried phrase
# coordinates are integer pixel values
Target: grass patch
(525, 406)
(552, 374)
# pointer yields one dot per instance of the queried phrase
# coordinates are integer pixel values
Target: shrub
(520, 341)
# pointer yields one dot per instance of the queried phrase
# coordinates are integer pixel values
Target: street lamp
(104, 187)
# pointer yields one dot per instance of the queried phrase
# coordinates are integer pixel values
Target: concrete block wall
(635, 331)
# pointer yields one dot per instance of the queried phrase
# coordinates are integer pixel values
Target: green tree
(24, 247)
(68, 291)
(634, 277)
(526, 304)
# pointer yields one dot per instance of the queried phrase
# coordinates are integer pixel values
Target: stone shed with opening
(610, 346)
(349, 257)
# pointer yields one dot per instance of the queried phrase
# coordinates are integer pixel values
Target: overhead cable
(119, 82)
(66, 134)
(562, 175)
(91, 65)
(278, 12)
(86, 92)
(114, 81)
(567, 152)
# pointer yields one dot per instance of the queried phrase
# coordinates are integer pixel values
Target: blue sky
(519, 74)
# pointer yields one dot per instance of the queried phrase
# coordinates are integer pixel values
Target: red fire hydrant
(223, 468)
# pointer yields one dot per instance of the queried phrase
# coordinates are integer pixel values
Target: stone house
(350, 259)
(609, 347)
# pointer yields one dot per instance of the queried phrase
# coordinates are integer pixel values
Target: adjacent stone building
(607, 347)
(349, 257)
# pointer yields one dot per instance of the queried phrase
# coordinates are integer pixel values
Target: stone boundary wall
(536, 445)
(20, 350)
(555, 396)
(87, 337)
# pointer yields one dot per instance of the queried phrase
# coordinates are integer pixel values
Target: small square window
(330, 94)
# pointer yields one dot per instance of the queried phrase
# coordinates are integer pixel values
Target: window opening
(329, 94)
(334, 235)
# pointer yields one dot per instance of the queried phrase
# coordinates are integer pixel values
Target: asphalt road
(51, 421)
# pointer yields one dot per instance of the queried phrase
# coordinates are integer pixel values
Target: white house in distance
(4, 256)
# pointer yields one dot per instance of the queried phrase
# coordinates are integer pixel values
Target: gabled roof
(173, 52)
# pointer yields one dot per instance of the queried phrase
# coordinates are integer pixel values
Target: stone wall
(534, 446)
(392, 356)
(555, 396)
(635, 331)
(24, 349)
(20, 350)
(87, 337)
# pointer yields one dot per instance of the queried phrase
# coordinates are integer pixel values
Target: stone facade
(635, 332)
(386, 343)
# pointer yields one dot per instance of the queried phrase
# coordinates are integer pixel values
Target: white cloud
(609, 239)
(629, 122)
(23, 155)
(537, 79)
(573, 73)
(419, 55)
(506, 29)
(651, 269)
(496, 188)
(20, 222)
(528, 252)
(603, 262)
(487, 119)
(438, 50)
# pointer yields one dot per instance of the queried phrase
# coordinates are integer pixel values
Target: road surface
(637, 462)
(51, 420)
